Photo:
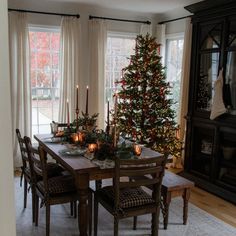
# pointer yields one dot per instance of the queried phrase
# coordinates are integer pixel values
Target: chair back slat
(140, 172)
(23, 151)
(138, 183)
(126, 169)
(35, 163)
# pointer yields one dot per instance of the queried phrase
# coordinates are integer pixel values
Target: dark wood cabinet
(210, 158)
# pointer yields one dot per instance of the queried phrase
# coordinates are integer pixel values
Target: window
(45, 79)
(119, 48)
(174, 54)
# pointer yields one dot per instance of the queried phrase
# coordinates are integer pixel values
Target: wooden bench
(173, 186)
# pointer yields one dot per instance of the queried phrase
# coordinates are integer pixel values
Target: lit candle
(75, 137)
(92, 147)
(86, 111)
(68, 113)
(115, 115)
(137, 149)
(108, 118)
(77, 97)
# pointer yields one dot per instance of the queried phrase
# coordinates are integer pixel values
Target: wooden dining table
(83, 170)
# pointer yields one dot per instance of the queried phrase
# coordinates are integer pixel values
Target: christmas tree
(144, 106)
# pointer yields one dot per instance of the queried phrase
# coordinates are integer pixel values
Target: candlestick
(86, 111)
(77, 119)
(77, 97)
(68, 114)
(108, 115)
(108, 119)
(115, 137)
(115, 105)
(115, 116)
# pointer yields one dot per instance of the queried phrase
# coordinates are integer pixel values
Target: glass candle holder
(137, 149)
(92, 147)
(81, 137)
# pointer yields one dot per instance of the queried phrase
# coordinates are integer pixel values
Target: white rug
(200, 223)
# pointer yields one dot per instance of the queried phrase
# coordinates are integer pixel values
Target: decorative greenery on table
(144, 109)
(86, 121)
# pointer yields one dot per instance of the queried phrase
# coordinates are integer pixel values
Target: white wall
(7, 205)
(175, 27)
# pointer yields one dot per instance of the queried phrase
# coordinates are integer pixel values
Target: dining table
(83, 170)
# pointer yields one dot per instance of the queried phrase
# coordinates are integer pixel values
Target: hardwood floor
(212, 204)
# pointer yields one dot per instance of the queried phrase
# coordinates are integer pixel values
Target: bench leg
(165, 207)
(186, 195)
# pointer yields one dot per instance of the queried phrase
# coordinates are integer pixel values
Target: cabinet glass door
(230, 82)
(209, 63)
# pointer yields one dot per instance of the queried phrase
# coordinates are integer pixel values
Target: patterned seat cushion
(129, 197)
(59, 184)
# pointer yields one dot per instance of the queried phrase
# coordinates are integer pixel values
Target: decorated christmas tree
(144, 106)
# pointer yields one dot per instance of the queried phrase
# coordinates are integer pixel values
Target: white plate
(72, 152)
(52, 140)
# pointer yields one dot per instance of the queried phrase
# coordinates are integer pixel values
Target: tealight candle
(92, 147)
(137, 149)
(75, 137)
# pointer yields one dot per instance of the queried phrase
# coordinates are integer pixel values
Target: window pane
(45, 79)
(43, 40)
(119, 49)
(174, 53)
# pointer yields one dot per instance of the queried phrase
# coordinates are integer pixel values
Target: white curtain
(97, 47)
(19, 79)
(145, 29)
(160, 36)
(185, 78)
(69, 66)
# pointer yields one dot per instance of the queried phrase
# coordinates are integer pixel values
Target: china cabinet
(210, 158)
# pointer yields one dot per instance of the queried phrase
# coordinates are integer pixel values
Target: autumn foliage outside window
(45, 77)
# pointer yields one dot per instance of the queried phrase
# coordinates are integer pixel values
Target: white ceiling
(142, 6)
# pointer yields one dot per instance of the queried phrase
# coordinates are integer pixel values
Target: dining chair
(128, 199)
(52, 191)
(26, 173)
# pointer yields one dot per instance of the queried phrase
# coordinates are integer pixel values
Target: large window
(174, 54)
(119, 48)
(45, 79)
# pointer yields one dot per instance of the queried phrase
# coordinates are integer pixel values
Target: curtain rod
(107, 18)
(167, 21)
(45, 13)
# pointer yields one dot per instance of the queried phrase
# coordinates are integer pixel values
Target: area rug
(200, 223)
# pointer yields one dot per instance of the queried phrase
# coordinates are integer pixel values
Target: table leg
(82, 183)
(186, 196)
(165, 209)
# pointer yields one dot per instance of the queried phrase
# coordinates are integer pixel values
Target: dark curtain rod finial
(116, 19)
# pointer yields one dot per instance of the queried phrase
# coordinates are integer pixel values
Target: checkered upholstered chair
(26, 174)
(51, 191)
(127, 199)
